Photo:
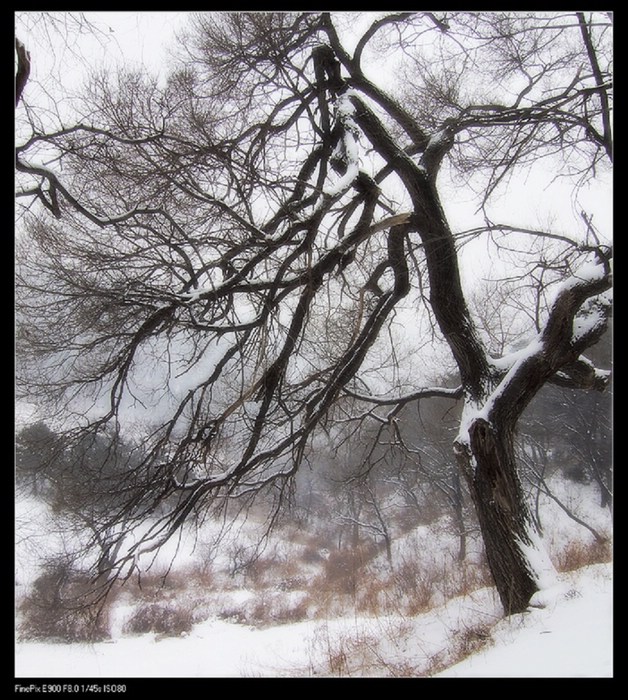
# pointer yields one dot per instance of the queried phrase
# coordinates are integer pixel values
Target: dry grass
(345, 655)
(470, 641)
(578, 554)
(384, 650)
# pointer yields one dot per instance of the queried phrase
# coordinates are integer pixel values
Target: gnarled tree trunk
(488, 464)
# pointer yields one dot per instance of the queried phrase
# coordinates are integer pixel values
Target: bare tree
(195, 241)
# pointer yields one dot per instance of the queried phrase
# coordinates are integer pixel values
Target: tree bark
(489, 466)
(23, 69)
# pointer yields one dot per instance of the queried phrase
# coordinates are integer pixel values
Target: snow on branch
(347, 150)
(583, 303)
(576, 320)
(590, 320)
(438, 145)
(589, 272)
(23, 69)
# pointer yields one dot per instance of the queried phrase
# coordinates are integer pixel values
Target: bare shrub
(276, 610)
(171, 585)
(341, 569)
(296, 612)
(291, 583)
(334, 654)
(417, 584)
(373, 596)
(167, 619)
(233, 614)
(312, 555)
(461, 579)
(464, 643)
(260, 570)
(61, 607)
(267, 608)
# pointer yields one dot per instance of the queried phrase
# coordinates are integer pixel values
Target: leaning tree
(251, 256)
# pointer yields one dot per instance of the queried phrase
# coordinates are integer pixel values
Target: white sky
(135, 39)
(121, 38)
(143, 39)
(140, 37)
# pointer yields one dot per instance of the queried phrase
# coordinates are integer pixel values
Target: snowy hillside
(297, 612)
(573, 638)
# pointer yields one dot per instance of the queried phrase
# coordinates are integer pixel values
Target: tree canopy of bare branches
(236, 262)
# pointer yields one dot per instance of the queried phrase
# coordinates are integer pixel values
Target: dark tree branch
(23, 69)
(602, 87)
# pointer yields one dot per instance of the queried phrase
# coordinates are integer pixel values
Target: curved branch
(507, 228)
(23, 69)
(375, 27)
(427, 393)
(90, 130)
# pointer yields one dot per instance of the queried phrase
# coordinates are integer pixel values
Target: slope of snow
(572, 638)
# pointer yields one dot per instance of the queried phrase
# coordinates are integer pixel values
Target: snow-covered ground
(571, 638)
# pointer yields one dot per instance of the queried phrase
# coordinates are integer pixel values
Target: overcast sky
(141, 37)
(135, 39)
(112, 38)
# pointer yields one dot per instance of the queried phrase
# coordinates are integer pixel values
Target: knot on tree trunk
(481, 434)
(327, 68)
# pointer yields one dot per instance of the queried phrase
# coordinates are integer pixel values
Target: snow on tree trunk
(514, 551)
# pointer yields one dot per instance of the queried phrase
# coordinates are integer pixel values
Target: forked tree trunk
(505, 520)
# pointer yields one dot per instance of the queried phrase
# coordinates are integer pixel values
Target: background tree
(33, 450)
(193, 236)
(84, 479)
(575, 431)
